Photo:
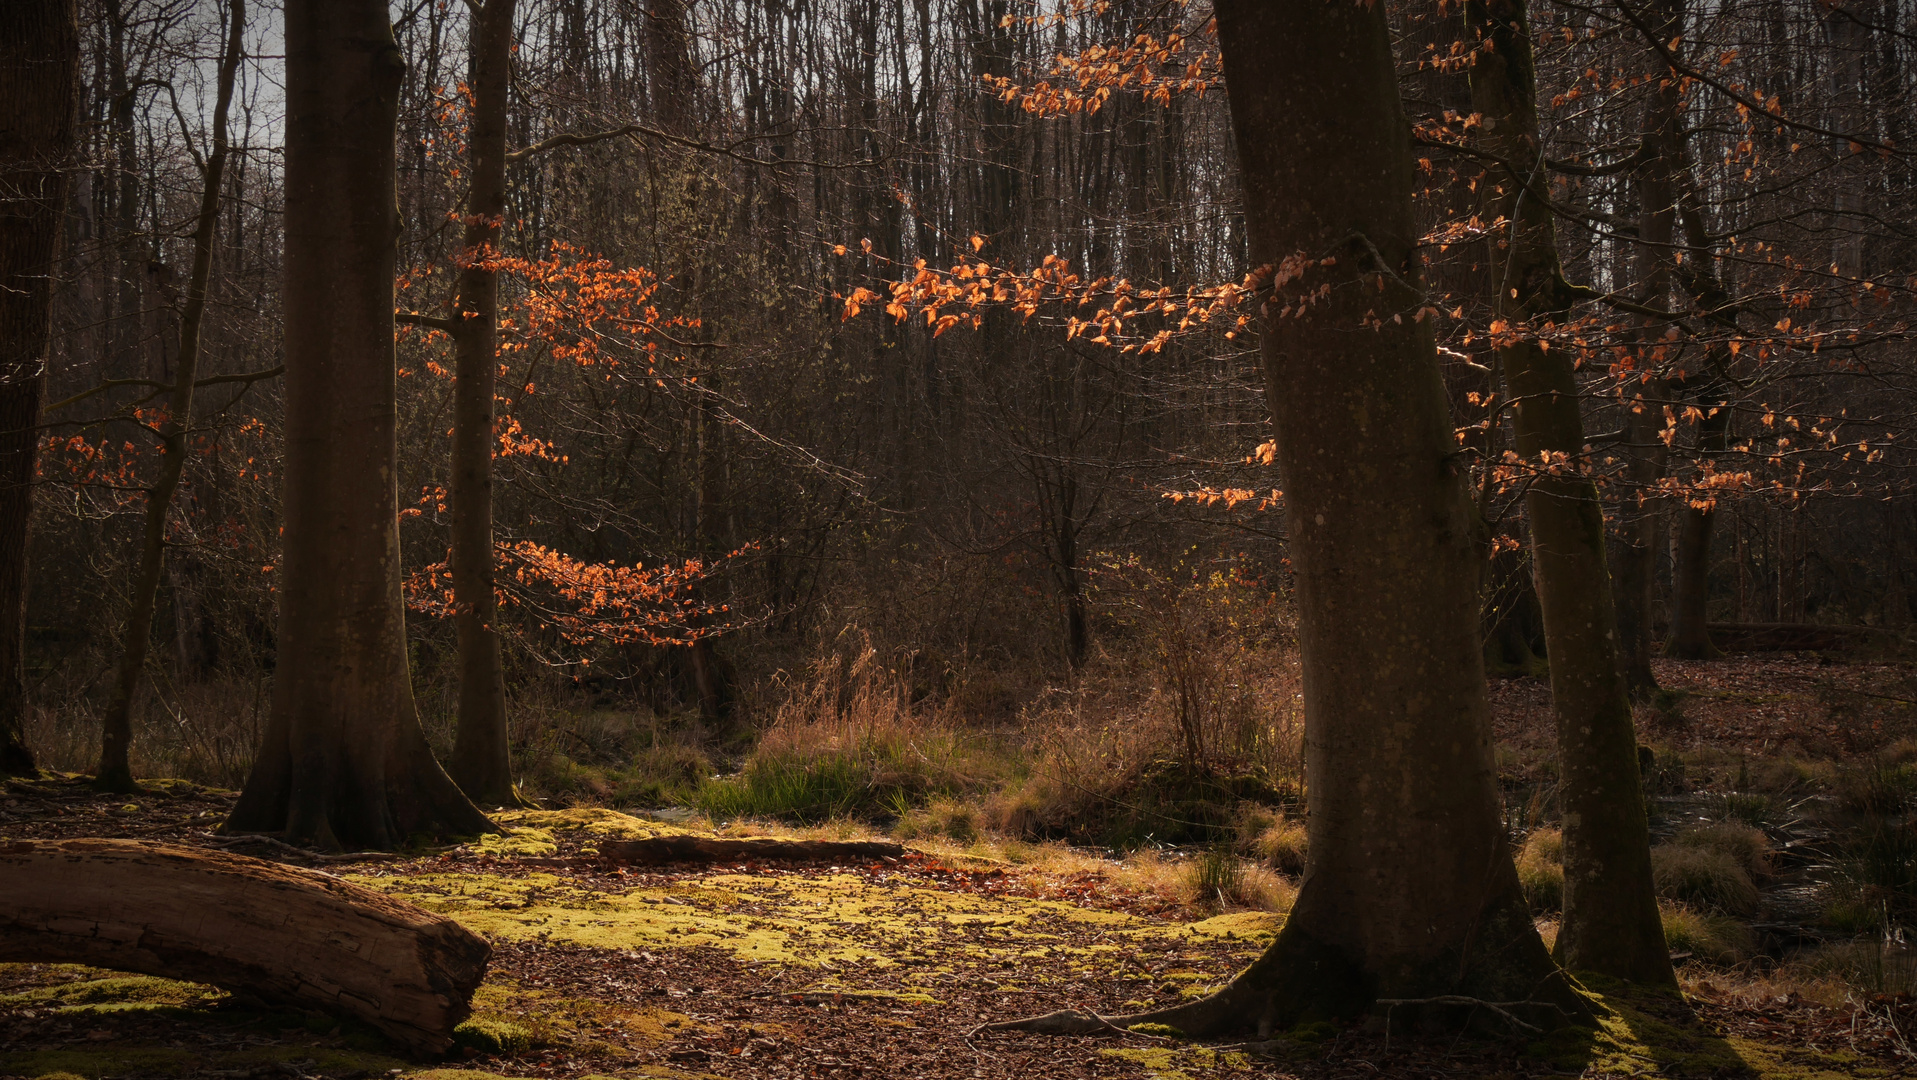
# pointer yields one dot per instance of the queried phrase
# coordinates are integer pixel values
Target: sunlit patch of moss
(1646, 1034)
(1259, 927)
(491, 1035)
(518, 1018)
(113, 992)
(116, 1060)
(826, 918)
(1172, 1062)
(610, 824)
(519, 841)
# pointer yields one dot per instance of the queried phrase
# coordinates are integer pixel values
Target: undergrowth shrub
(1880, 966)
(1166, 751)
(1877, 887)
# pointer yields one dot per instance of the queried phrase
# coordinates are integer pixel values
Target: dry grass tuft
(1541, 870)
(1704, 878)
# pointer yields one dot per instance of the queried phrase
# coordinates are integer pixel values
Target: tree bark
(343, 760)
(1690, 636)
(116, 730)
(1611, 923)
(481, 760)
(1634, 556)
(1410, 892)
(39, 88)
(290, 936)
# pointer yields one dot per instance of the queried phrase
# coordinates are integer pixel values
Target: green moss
(1315, 1031)
(113, 991)
(523, 842)
(592, 819)
(1166, 1030)
(490, 1035)
(788, 919)
(1173, 1062)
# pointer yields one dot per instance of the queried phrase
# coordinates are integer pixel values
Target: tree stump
(287, 935)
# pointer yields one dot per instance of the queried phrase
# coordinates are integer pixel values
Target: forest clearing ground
(880, 970)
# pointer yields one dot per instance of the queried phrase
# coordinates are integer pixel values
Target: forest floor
(885, 969)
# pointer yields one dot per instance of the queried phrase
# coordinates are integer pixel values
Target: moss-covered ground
(877, 970)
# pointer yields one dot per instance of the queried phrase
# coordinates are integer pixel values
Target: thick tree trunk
(116, 731)
(1410, 892)
(344, 762)
(1611, 923)
(481, 760)
(39, 86)
(290, 936)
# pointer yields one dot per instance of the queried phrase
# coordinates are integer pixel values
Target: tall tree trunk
(39, 88)
(674, 90)
(1611, 922)
(116, 730)
(481, 761)
(343, 761)
(1410, 891)
(1634, 557)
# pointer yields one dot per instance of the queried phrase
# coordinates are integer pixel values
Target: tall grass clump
(848, 741)
(1712, 939)
(1541, 870)
(1703, 878)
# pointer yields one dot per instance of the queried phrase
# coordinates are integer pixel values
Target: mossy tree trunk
(1611, 922)
(344, 762)
(481, 760)
(39, 89)
(1410, 892)
(116, 728)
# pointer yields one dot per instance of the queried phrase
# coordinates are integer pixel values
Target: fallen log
(1784, 637)
(659, 850)
(284, 934)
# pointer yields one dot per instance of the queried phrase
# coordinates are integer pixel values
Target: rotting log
(287, 935)
(659, 850)
(1785, 637)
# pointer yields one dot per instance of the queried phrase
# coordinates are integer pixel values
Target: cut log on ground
(284, 934)
(1785, 637)
(660, 850)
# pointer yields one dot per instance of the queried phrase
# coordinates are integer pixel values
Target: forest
(927, 538)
